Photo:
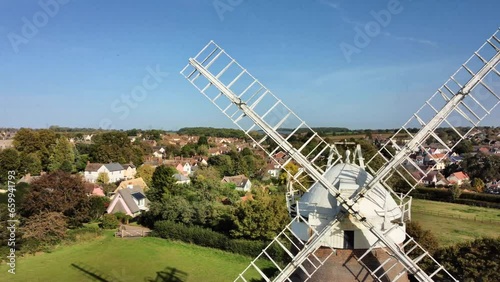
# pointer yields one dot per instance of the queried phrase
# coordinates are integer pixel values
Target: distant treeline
(213, 132)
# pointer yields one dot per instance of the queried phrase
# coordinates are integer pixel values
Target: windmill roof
(348, 178)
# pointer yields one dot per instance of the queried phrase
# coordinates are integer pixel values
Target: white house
(241, 181)
(115, 172)
(130, 171)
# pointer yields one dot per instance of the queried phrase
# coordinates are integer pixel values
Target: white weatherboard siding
(345, 177)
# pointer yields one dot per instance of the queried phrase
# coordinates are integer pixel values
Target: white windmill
(350, 219)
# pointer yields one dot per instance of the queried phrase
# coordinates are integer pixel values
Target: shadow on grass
(169, 274)
(270, 272)
(94, 273)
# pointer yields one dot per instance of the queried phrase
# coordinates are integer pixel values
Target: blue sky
(83, 57)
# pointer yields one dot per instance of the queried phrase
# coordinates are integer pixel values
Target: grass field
(141, 259)
(453, 223)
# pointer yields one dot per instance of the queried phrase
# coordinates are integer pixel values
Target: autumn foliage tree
(45, 228)
(58, 192)
(477, 260)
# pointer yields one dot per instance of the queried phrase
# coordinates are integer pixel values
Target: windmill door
(348, 239)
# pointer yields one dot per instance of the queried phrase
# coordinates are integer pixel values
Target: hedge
(466, 198)
(209, 238)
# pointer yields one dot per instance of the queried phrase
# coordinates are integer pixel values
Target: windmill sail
(251, 106)
(457, 107)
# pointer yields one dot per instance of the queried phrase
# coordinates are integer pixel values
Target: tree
(486, 167)
(62, 153)
(450, 169)
(464, 147)
(146, 172)
(223, 163)
(478, 185)
(30, 163)
(45, 228)
(109, 221)
(424, 237)
(81, 161)
(9, 161)
(162, 182)
(58, 192)
(97, 206)
(102, 178)
(202, 150)
(477, 260)
(202, 141)
(188, 150)
(41, 142)
(262, 218)
(455, 192)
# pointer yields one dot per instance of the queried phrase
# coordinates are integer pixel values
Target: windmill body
(320, 207)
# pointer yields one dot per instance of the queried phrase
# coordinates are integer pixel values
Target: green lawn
(141, 259)
(453, 223)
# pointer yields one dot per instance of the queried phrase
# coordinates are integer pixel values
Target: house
(438, 161)
(115, 172)
(181, 179)
(158, 154)
(241, 181)
(134, 182)
(273, 169)
(432, 178)
(184, 168)
(130, 171)
(458, 178)
(130, 201)
(92, 189)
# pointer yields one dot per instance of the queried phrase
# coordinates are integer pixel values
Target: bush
(209, 238)
(122, 217)
(109, 221)
(477, 260)
(86, 233)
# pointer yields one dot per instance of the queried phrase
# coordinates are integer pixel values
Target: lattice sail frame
(260, 114)
(273, 111)
(473, 91)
